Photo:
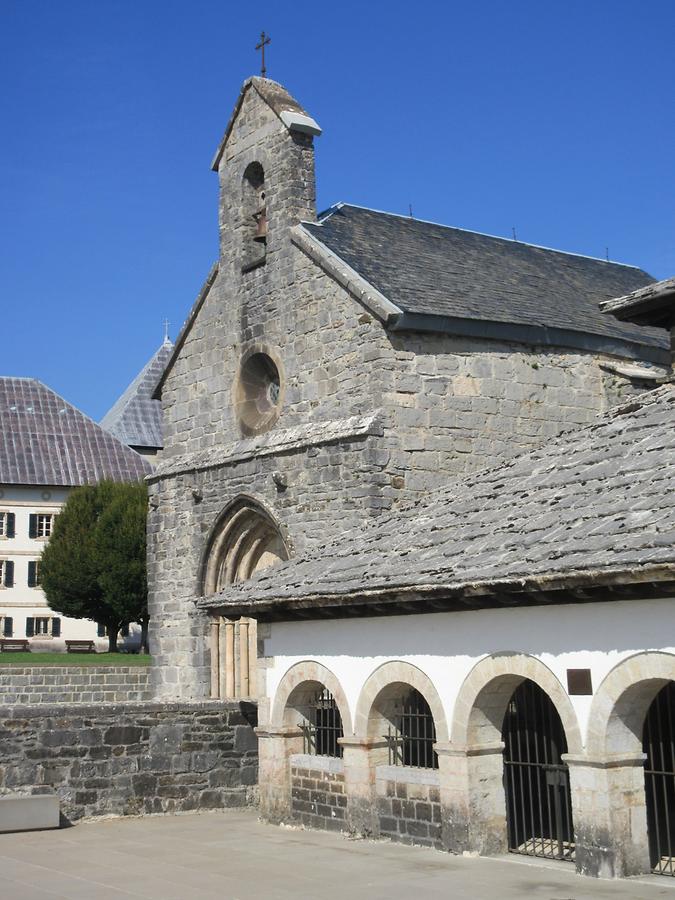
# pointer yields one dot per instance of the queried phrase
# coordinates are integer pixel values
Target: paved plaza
(232, 856)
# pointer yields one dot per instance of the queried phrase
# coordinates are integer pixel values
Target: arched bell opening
(536, 780)
(254, 216)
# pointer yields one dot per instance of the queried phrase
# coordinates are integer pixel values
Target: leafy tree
(94, 564)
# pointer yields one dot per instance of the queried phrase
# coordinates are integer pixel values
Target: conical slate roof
(136, 419)
(47, 441)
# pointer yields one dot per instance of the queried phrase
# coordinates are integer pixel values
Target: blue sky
(556, 118)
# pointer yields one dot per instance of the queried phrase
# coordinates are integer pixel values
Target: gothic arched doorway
(658, 742)
(245, 540)
(536, 780)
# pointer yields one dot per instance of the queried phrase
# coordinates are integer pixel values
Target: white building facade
(47, 447)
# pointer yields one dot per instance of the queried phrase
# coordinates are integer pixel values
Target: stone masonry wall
(130, 759)
(330, 488)
(74, 684)
(318, 797)
(409, 805)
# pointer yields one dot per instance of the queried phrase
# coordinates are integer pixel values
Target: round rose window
(258, 393)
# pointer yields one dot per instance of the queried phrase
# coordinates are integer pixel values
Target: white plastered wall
(446, 646)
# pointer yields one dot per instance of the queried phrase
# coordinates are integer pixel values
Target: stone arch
(485, 693)
(301, 680)
(622, 700)
(388, 675)
(244, 540)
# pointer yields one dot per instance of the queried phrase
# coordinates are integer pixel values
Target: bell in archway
(261, 226)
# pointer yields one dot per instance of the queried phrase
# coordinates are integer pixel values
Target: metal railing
(659, 745)
(323, 727)
(412, 737)
(536, 781)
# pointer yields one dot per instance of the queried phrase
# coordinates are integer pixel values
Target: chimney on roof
(653, 305)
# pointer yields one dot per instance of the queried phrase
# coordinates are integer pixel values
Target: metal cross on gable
(264, 40)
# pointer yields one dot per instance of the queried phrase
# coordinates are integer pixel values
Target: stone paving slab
(232, 856)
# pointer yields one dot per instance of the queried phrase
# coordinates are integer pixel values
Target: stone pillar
(487, 800)
(244, 677)
(453, 771)
(360, 758)
(274, 779)
(610, 815)
(215, 659)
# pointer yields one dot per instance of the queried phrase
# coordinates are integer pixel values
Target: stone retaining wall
(318, 797)
(409, 805)
(133, 758)
(74, 684)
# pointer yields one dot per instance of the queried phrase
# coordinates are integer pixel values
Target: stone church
(355, 524)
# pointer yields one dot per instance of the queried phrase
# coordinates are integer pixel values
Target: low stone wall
(409, 805)
(318, 791)
(133, 758)
(74, 684)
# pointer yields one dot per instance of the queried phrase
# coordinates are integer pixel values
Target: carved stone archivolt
(245, 541)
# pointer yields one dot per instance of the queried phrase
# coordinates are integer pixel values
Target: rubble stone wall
(132, 758)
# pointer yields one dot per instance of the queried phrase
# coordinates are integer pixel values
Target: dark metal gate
(658, 742)
(536, 781)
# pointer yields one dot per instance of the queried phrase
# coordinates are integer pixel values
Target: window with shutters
(34, 573)
(40, 525)
(7, 520)
(6, 573)
(43, 626)
(6, 626)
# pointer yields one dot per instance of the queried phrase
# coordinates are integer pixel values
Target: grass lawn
(75, 659)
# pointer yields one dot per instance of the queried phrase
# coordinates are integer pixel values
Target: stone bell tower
(265, 164)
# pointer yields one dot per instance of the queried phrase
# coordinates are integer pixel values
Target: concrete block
(19, 813)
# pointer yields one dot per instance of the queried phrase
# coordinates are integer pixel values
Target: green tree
(94, 564)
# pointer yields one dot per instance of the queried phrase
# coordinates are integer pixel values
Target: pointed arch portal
(245, 540)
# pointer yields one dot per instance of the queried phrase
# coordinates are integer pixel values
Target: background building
(47, 447)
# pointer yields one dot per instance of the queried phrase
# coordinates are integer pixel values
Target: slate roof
(136, 419)
(596, 503)
(650, 305)
(434, 270)
(46, 440)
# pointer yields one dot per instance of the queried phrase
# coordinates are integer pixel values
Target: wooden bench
(14, 645)
(80, 647)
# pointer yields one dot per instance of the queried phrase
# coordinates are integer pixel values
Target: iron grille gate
(658, 742)
(536, 781)
(411, 740)
(324, 726)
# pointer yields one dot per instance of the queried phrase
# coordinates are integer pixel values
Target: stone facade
(130, 759)
(20, 685)
(445, 404)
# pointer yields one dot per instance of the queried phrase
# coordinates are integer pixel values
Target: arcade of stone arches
(509, 771)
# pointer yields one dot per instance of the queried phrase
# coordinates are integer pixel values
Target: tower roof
(279, 101)
(46, 440)
(135, 418)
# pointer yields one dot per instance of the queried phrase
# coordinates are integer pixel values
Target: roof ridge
(337, 206)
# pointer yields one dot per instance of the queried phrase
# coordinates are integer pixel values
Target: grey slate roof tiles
(435, 270)
(46, 440)
(136, 419)
(597, 500)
